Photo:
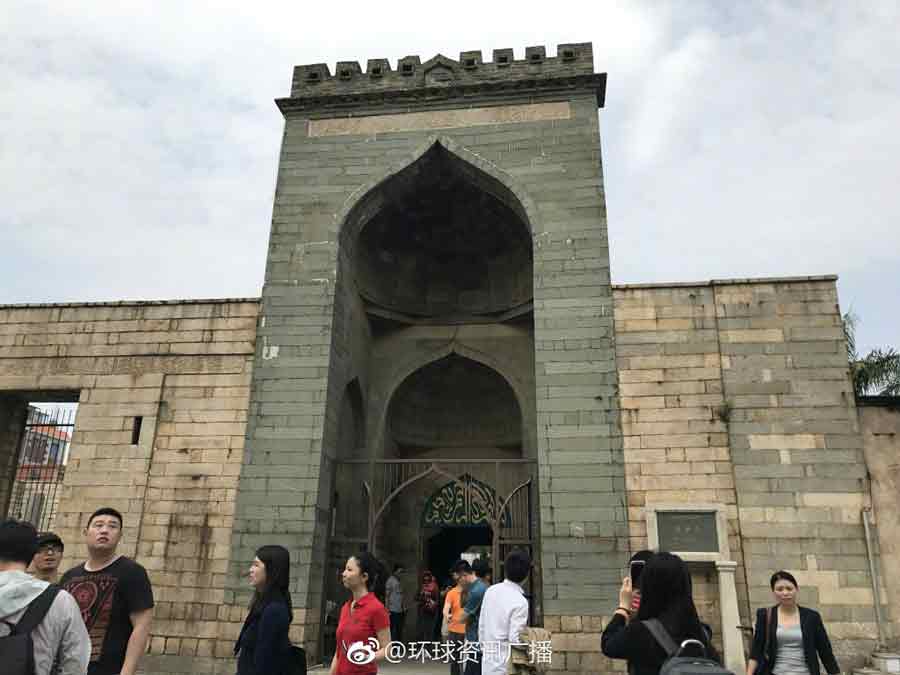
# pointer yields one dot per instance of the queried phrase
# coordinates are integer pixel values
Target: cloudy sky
(139, 141)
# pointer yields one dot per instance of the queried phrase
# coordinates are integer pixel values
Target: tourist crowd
(96, 617)
(481, 623)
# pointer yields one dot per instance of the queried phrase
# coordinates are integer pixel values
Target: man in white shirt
(394, 597)
(504, 614)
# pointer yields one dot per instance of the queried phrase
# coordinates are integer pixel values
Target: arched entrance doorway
(457, 522)
(459, 420)
(461, 515)
(452, 478)
(438, 259)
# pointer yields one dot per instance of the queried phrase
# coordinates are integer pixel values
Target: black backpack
(17, 649)
(296, 661)
(676, 664)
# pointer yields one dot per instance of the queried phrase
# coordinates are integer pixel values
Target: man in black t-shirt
(115, 598)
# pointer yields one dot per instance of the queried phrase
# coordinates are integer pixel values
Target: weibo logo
(361, 653)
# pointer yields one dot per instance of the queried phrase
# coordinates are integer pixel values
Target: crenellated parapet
(316, 86)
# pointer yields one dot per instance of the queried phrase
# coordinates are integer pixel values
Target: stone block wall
(797, 451)
(537, 142)
(879, 420)
(184, 368)
(674, 418)
(721, 381)
(738, 393)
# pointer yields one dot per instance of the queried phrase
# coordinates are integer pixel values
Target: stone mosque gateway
(440, 363)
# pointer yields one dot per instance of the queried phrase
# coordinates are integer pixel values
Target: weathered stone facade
(522, 139)
(738, 394)
(184, 368)
(395, 311)
(879, 419)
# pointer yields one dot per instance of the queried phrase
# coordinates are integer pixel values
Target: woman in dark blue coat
(263, 646)
(789, 639)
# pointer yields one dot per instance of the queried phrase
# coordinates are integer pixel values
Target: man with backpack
(40, 624)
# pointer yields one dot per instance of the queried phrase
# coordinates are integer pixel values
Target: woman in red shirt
(429, 597)
(364, 629)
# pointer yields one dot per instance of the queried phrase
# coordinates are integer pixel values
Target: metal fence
(42, 456)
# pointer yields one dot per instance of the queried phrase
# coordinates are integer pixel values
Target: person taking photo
(665, 596)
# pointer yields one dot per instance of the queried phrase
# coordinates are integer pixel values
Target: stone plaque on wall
(688, 531)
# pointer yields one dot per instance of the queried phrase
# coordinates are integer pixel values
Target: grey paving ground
(416, 667)
(407, 667)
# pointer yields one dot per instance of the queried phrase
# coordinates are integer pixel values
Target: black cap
(45, 538)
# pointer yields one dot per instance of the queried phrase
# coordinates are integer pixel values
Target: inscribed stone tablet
(687, 531)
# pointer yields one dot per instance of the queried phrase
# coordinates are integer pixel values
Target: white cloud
(766, 145)
(140, 141)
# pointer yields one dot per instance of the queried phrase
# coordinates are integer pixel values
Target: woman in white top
(789, 639)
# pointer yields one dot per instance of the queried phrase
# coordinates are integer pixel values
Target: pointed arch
(367, 200)
(442, 236)
(352, 422)
(420, 360)
(423, 360)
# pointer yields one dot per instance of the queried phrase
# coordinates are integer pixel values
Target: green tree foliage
(876, 373)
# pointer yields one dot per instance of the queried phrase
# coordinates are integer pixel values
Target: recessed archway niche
(458, 406)
(441, 239)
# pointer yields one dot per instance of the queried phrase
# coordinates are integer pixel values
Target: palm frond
(879, 373)
(876, 373)
(850, 322)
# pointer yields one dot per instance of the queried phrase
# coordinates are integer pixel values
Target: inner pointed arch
(454, 403)
(440, 238)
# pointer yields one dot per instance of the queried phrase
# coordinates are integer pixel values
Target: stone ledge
(257, 300)
(556, 86)
(727, 282)
(131, 303)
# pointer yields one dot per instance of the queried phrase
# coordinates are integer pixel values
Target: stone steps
(883, 663)
(887, 662)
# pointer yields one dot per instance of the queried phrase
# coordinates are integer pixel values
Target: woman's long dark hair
(278, 579)
(666, 595)
(377, 573)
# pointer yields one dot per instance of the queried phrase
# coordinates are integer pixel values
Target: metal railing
(41, 463)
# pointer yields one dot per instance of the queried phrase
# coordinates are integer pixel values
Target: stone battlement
(573, 63)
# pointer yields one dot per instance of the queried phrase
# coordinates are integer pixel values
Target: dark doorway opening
(445, 547)
(34, 457)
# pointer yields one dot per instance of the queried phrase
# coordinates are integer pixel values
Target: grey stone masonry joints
(437, 294)
(441, 78)
(512, 130)
(411, 72)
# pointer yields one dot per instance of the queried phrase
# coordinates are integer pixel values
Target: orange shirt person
(456, 625)
(454, 611)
